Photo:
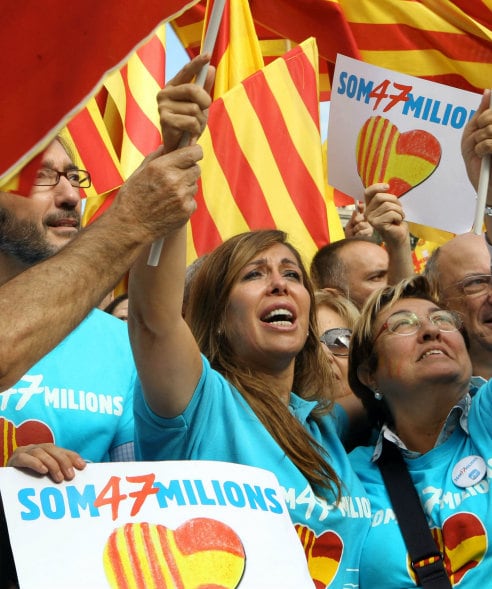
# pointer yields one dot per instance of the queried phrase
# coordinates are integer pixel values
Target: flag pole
(208, 47)
(483, 185)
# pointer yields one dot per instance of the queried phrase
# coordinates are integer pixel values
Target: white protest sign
(139, 525)
(389, 127)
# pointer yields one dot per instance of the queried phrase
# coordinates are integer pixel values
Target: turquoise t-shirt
(79, 396)
(460, 517)
(218, 424)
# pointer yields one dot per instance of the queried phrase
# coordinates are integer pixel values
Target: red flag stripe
(247, 192)
(139, 128)
(398, 37)
(301, 69)
(293, 170)
(153, 56)
(94, 152)
(205, 234)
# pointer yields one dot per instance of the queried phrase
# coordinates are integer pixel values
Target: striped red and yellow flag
(190, 26)
(120, 126)
(237, 52)
(447, 41)
(263, 161)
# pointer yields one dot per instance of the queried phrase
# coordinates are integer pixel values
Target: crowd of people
(252, 358)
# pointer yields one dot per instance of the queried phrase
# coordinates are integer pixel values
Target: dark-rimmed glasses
(337, 340)
(49, 177)
(474, 285)
(408, 323)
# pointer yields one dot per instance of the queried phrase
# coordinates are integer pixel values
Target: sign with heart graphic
(134, 525)
(201, 552)
(402, 160)
(389, 127)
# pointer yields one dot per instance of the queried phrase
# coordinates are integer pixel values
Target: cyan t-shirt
(79, 396)
(460, 517)
(218, 424)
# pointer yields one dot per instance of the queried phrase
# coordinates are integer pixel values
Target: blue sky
(176, 57)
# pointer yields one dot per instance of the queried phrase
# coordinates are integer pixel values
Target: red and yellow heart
(402, 160)
(201, 553)
(30, 431)
(323, 554)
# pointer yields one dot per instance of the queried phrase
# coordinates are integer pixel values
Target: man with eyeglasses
(65, 405)
(459, 272)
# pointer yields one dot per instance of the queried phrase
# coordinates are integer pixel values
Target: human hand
(357, 225)
(385, 213)
(183, 105)
(476, 141)
(47, 458)
(159, 196)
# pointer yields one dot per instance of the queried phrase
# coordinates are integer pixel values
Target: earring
(378, 395)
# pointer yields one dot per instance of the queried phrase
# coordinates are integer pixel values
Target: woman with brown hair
(245, 379)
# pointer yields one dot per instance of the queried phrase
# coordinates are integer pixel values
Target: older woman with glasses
(410, 366)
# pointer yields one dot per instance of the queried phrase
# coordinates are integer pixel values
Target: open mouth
(280, 317)
(431, 353)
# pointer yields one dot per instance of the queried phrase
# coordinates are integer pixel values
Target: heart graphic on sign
(323, 554)
(402, 160)
(12, 436)
(200, 553)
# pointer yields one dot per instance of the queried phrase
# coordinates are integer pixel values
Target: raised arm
(476, 142)
(385, 213)
(166, 354)
(46, 302)
(357, 225)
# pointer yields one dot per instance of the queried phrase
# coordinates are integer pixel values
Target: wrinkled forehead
(363, 253)
(463, 256)
(57, 154)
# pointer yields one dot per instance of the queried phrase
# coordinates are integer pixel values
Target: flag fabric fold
(55, 58)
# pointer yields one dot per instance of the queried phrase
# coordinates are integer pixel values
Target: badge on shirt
(469, 471)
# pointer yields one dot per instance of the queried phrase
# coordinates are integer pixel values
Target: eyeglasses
(474, 285)
(50, 177)
(407, 322)
(337, 340)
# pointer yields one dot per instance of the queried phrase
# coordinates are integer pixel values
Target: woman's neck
(419, 422)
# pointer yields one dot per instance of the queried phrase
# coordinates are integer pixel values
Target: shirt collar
(458, 416)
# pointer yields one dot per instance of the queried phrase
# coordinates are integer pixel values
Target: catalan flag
(237, 52)
(120, 126)
(190, 27)
(263, 161)
(447, 41)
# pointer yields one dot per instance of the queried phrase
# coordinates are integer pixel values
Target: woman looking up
(410, 366)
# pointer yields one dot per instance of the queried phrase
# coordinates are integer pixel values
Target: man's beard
(23, 240)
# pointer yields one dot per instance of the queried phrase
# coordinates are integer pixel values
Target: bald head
(460, 257)
(467, 257)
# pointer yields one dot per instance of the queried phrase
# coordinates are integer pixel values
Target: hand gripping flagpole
(483, 185)
(208, 47)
